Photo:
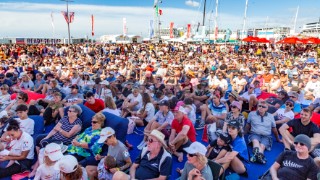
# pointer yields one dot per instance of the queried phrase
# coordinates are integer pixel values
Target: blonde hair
(108, 102)
(202, 159)
(100, 118)
(48, 161)
(76, 175)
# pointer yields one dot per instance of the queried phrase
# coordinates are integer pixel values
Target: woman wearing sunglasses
(85, 144)
(196, 166)
(21, 98)
(283, 115)
(295, 164)
(234, 114)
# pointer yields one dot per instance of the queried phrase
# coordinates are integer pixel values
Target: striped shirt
(217, 110)
(66, 126)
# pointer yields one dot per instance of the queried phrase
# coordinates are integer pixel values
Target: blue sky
(34, 15)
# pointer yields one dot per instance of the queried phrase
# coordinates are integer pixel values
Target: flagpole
(52, 24)
(68, 22)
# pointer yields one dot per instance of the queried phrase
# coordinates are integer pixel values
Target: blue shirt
(239, 145)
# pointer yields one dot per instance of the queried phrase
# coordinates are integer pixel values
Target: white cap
(53, 151)
(67, 164)
(105, 82)
(196, 147)
(105, 133)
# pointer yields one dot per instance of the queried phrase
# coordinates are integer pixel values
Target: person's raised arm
(273, 170)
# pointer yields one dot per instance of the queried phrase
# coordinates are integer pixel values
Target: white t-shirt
(26, 125)
(247, 96)
(239, 82)
(282, 114)
(24, 143)
(112, 111)
(150, 111)
(136, 99)
(47, 172)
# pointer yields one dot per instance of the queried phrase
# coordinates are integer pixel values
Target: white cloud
(192, 3)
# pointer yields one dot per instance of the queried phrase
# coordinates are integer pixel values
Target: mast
(295, 20)
(244, 19)
(266, 28)
(204, 12)
(216, 21)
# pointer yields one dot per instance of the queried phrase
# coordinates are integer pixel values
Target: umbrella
(291, 40)
(311, 40)
(263, 40)
(251, 39)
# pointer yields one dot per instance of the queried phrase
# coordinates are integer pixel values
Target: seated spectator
(86, 83)
(158, 97)
(146, 112)
(65, 130)
(4, 80)
(161, 121)
(259, 124)
(233, 96)
(20, 151)
(275, 84)
(300, 126)
(215, 112)
(96, 105)
(201, 94)
(104, 91)
(196, 166)
(182, 133)
(110, 106)
(85, 144)
(39, 83)
(190, 109)
(52, 153)
(283, 115)
(21, 98)
(295, 164)
(116, 149)
(234, 114)
(248, 98)
(239, 83)
(74, 98)
(4, 97)
(297, 105)
(154, 153)
(26, 123)
(70, 169)
(26, 83)
(274, 103)
(132, 103)
(54, 111)
(218, 148)
(238, 157)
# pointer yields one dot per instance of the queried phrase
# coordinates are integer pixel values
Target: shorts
(265, 140)
(181, 148)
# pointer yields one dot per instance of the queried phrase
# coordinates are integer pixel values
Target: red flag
(188, 30)
(216, 33)
(171, 29)
(65, 15)
(71, 16)
(160, 12)
(92, 25)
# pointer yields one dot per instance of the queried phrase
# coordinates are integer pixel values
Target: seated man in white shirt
(133, 102)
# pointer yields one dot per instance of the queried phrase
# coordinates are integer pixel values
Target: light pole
(68, 22)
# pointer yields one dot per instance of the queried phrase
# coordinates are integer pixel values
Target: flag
(216, 33)
(69, 19)
(151, 29)
(160, 12)
(171, 29)
(92, 25)
(71, 16)
(188, 30)
(65, 15)
(124, 26)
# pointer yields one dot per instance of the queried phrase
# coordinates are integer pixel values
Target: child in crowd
(52, 153)
(219, 147)
(104, 167)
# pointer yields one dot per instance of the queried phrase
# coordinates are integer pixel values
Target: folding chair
(215, 169)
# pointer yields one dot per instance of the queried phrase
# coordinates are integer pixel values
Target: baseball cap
(164, 103)
(182, 109)
(67, 164)
(302, 138)
(293, 94)
(53, 151)
(234, 123)
(105, 133)
(196, 147)
(74, 86)
(224, 136)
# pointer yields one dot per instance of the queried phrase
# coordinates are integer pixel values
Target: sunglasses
(19, 97)
(260, 106)
(301, 144)
(151, 140)
(292, 96)
(1, 77)
(191, 155)
(94, 122)
(290, 105)
(233, 107)
(70, 111)
(1, 88)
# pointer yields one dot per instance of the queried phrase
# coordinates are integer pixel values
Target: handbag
(131, 124)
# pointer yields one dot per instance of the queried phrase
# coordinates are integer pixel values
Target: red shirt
(185, 121)
(97, 106)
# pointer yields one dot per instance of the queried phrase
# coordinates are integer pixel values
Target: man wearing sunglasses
(295, 164)
(300, 126)
(260, 123)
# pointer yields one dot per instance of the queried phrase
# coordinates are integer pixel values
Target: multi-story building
(311, 29)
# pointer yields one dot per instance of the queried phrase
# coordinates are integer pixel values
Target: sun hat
(105, 133)
(53, 151)
(159, 135)
(302, 138)
(67, 164)
(234, 94)
(196, 147)
(237, 104)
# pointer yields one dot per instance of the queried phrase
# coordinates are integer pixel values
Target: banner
(92, 25)
(151, 31)
(188, 30)
(171, 30)
(216, 33)
(124, 26)
(71, 16)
